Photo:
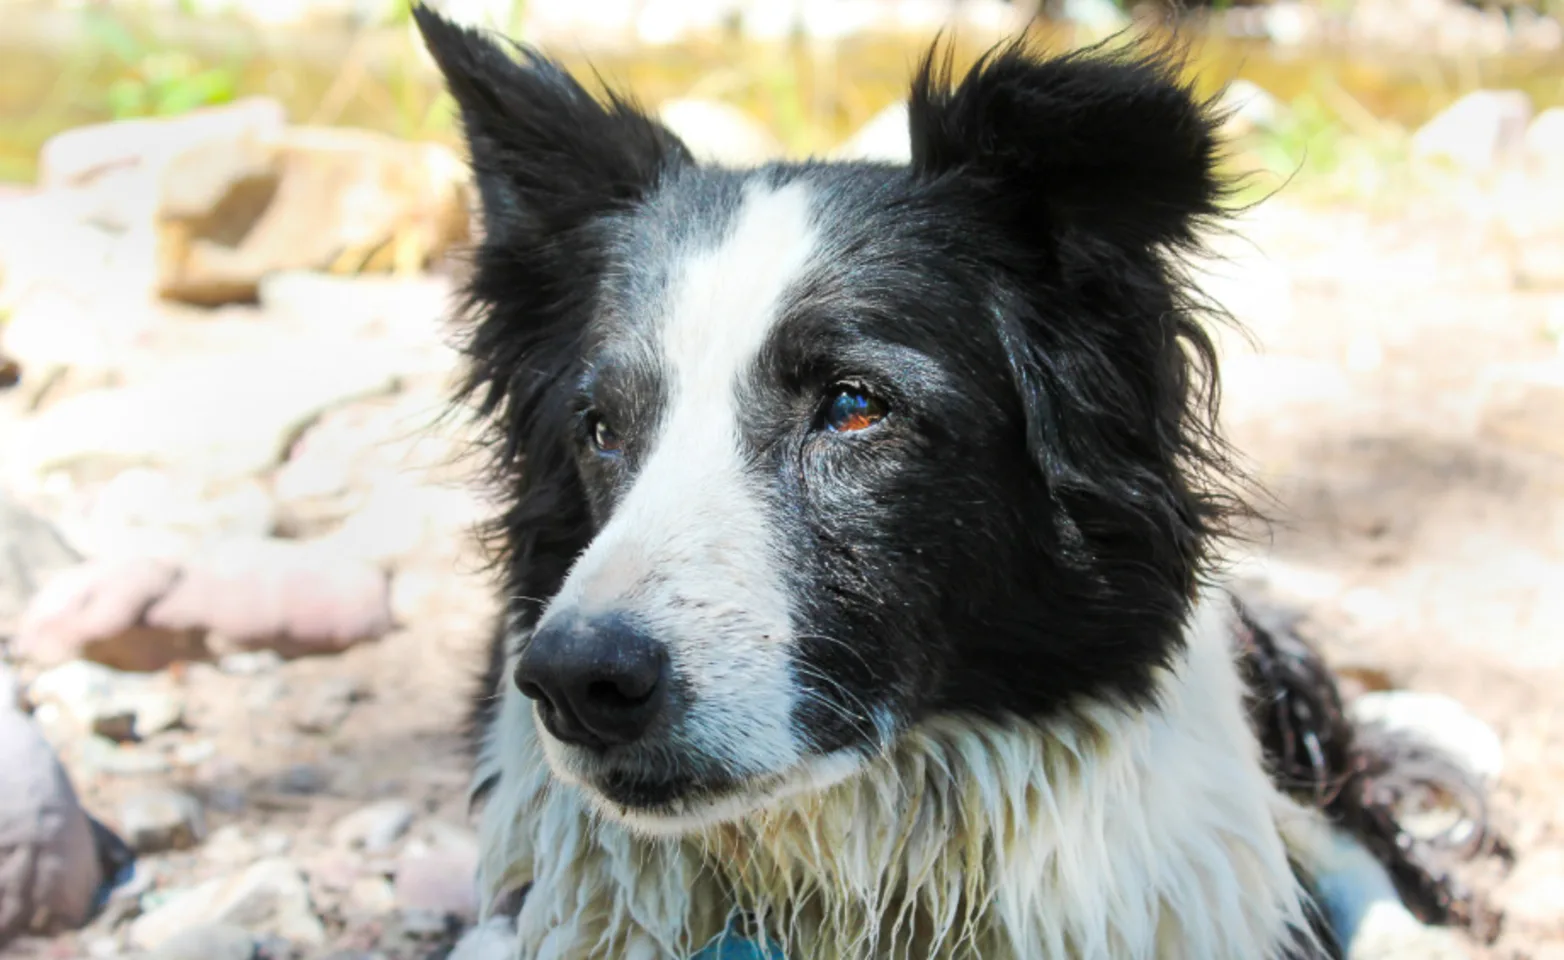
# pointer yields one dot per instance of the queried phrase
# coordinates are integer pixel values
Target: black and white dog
(858, 527)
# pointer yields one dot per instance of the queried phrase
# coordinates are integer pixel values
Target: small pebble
(372, 896)
(194, 753)
(250, 663)
(328, 704)
(104, 756)
(303, 779)
(375, 828)
(423, 924)
(158, 820)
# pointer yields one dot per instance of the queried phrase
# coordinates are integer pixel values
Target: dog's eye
(603, 436)
(853, 409)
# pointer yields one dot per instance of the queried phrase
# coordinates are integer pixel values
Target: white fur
(688, 551)
(1111, 833)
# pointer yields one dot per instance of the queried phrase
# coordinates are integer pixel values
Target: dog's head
(800, 456)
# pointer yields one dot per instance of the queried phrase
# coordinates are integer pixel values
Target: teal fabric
(734, 944)
(735, 948)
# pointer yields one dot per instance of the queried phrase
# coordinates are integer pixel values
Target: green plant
(150, 82)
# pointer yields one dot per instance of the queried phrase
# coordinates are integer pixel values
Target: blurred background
(240, 608)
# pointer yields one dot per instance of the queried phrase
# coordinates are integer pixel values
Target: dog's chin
(680, 803)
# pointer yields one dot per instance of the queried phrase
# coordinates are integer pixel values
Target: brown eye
(853, 409)
(603, 436)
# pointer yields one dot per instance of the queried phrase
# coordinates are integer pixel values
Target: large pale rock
(222, 419)
(270, 897)
(30, 551)
(49, 866)
(309, 198)
(293, 597)
(96, 612)
(83, 156)
(1545, 139)
(1478, 131)
(719, 132)
(144, 511)
(884, 139)
(400, 519)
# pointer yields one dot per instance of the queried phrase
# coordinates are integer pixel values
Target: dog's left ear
(1113, 144)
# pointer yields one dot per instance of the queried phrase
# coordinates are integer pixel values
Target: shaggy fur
(858, 532)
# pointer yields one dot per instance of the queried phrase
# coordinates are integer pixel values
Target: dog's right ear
(547, 155)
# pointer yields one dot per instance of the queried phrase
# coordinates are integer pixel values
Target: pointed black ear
(546, 154)
(1113, 143)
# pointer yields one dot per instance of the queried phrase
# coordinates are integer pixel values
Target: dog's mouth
(650, 794)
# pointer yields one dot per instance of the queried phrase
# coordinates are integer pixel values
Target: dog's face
(802, 455)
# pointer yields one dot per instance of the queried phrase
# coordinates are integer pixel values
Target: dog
(861, 533)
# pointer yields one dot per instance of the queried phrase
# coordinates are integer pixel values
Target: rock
(306, 198)
(1477, 131)
(1098, 17)
(250, 663)
(440, 882)
(83, 156)
(303, 779)
(227, 417)
(294, 598)
(111, 704)
(327, 704)
(213, 942)
(268, 898)
(1545, 139)
(30, 551)
(400, 517)
(1248, 108)
(136, 716)
(372, 896)
(884, 139)
(142, 507)
(494, 939)
(410, 311)
(375, 828)
(1441, 722)
(719, 133)
(157, 820)
(1523, 405)
(104, 756)
(49, 865)
(95, 612)
(423, 924)
(1533, 893)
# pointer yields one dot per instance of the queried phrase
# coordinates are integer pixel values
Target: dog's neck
(1113, 833)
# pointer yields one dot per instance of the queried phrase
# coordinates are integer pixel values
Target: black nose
(596, 683)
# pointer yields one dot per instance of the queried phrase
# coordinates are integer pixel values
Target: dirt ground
(1422, 533)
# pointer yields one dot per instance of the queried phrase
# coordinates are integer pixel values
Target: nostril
(620, 692)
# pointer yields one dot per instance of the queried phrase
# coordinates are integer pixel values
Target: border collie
(859, 528)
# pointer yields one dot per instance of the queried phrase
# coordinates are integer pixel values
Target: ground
(1418, 522)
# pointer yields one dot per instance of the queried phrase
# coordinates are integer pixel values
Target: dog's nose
(596, 684)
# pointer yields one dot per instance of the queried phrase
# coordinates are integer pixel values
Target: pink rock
(438, 881)
(296, 598)
(49, 869)
(94, 612)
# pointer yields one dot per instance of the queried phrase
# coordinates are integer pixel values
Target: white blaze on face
(689, 552)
